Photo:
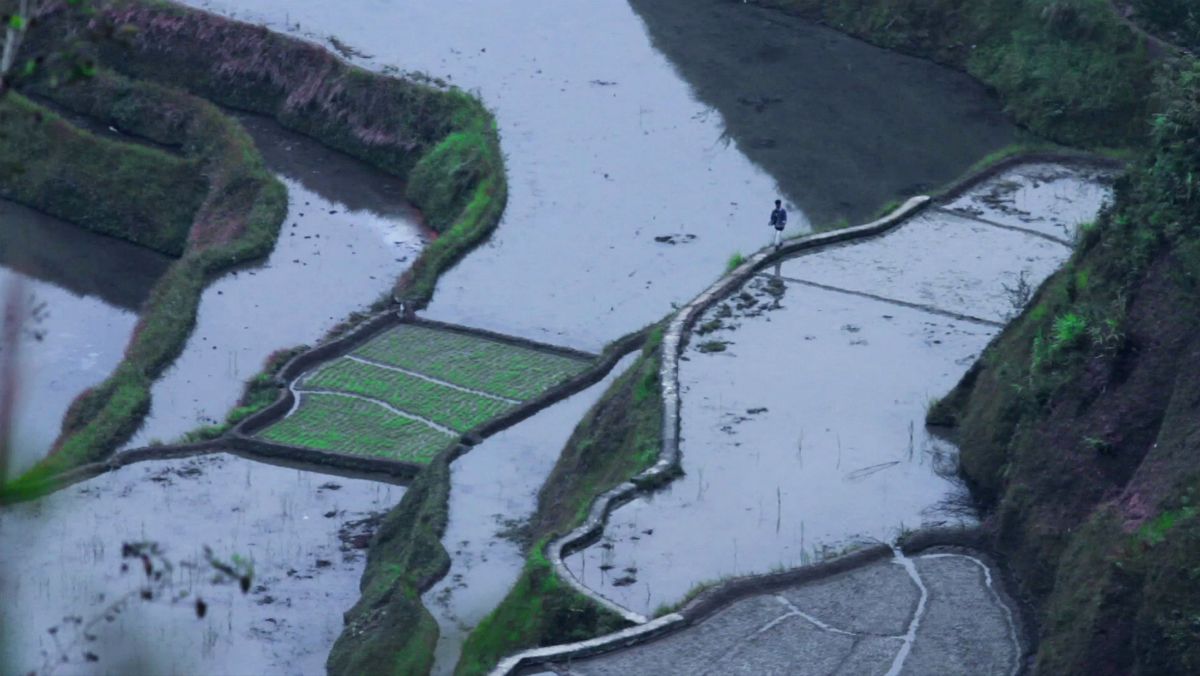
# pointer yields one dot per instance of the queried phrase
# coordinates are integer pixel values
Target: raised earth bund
(442, 141)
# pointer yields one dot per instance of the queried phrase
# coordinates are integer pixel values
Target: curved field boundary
(679, 331)
(718, 597)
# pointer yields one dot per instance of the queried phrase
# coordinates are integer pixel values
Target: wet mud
(80, 293)
(348, 236)
(493, 491)
(1046, 198)
(304, 534)
(803, 434)
(843, 126)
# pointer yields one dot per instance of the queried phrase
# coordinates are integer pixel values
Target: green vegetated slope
(1080, 425)
(620, 436)
(389, 630)
(1069, 70)
(408, 386)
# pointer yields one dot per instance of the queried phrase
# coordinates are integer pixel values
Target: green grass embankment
(132, 192)
(237, 220)
(1068, 70)
(1080, 425)
(620, 436)
(444, 143)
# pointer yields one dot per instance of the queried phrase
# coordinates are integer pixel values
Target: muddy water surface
(494, 490)
(608, 148)
(80, 294)
(803, 406)
(348, 235)
(303, 533)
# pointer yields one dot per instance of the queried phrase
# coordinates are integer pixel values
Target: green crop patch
(460, 411)
(329, 422)
(473, 362)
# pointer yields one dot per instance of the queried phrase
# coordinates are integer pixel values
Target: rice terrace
(599, 337)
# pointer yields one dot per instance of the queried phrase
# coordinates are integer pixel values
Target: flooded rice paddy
(303, 532)
(348, 235)
(77, 295)
(804, 401)
(611, 146)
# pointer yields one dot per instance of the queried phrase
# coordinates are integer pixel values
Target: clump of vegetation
(710, 346)
(389, 630)
(735, 261)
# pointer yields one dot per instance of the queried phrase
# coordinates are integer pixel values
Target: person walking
(778, 221)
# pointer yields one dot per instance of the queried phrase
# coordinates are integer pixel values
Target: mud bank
(868, 332)
(443, 141)
(806, 103)
(303, 533)
(237, 221)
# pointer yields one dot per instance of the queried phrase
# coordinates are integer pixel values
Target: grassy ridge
(443, 142)
(132, 192)
(1080, 426)
(389, 631)
(620, 436)
(1069, 70)
(237, 220)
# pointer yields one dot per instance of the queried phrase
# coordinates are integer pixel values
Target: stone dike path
(935, 613)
